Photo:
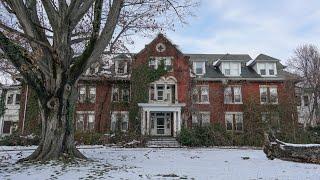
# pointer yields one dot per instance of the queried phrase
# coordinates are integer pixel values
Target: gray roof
(263, 57)
(214, 57)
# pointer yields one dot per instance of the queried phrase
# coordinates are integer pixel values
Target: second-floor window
(162, 93)
(87, 94)
(268, 94)
(10, 99)
(13, 99)
(155, 62)
(232, 95)
(120, 94)
(231, 68)
(200, 94)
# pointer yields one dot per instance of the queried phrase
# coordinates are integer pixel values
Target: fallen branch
(305, 153)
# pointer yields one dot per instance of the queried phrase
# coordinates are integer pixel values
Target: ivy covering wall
(141, 77)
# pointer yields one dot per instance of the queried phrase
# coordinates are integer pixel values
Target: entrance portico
(160, 119)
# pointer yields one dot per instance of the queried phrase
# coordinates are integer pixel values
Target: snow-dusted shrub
(16, 139)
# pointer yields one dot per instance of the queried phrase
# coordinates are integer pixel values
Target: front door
(160, 123)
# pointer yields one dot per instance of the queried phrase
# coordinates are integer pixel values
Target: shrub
(204, 136)
(90, 138)
(16, 139)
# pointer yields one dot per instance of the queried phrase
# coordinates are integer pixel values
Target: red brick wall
(249, 89)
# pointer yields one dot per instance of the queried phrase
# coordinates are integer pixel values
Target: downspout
(25, 109)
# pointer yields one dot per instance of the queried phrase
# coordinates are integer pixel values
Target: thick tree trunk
(306, 153)
(57, 138)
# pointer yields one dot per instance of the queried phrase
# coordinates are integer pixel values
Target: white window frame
(82, 113)
(155, 62)
(116, 64)
(91, 114)
(267, 66)
(234, 120)
(233, 94)
(199, 89)
(268, 88)
(82, 91)
(92, 94)
(114, 119)
(196, 121)
(200, 63)
(233, 67)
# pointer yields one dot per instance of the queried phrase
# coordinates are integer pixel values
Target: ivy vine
(141, 77)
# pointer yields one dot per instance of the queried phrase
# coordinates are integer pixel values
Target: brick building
(198, 89)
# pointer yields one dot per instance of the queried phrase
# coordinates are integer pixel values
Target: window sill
(202, 102)
(238, 103)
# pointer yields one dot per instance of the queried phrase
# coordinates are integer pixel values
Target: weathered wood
(306, 153)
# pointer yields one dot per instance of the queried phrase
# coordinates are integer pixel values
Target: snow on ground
(146, 163)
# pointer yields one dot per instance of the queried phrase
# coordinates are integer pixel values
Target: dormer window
(199, 68)
(121, 67)
(231, 68)
(266, 69)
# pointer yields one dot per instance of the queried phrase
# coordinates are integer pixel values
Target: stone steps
(163, 142)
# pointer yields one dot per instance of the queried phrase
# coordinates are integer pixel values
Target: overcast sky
(273, 27)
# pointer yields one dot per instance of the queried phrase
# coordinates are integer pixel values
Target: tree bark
(273, 148)
(57, 137)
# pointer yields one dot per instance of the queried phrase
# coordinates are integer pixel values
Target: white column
(179, 121)
(174, 124)
(143, 130)
(148, 122)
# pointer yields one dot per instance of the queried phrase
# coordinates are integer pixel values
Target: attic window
(160, 47)
(199, 68)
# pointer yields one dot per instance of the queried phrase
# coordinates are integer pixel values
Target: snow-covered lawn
(145, 163)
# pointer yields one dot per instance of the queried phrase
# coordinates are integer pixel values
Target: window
(18, 96)
(115, 94)
(266, 69)
(199, 68)
(200, 94)
(10, 98)
(125, 95)
(201, 119)
(82, 94)
(271, 118)
(273, 95)
(232, 95)
(119, 121)
(121, 67)
(80, 122)
(231, 68)
(92, 94)
(91, 119)
(167, 63)
(155, 62)
(160, 92)
(268, 94)
(152, 63)
(120, 94)
(306, 100)
(263, 95)
(234, 121)
(151, 93)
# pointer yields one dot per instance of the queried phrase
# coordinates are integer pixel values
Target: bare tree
(42, 38)
(306, 63)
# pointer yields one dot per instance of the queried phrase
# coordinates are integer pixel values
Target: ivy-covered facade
(160, 90)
